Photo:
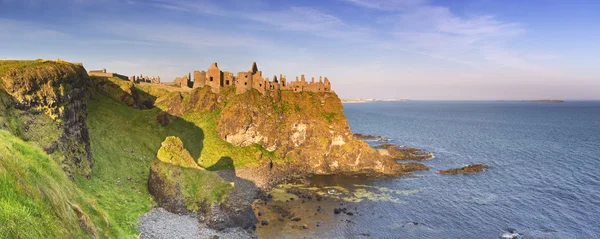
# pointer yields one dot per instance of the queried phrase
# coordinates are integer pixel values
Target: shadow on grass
(224, 163)
(191, 135)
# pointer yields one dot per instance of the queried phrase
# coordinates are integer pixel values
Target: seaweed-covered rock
(473, 168)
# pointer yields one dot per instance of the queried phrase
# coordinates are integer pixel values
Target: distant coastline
(372, 100)
(535, 101)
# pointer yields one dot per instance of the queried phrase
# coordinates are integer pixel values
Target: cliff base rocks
(401, 153)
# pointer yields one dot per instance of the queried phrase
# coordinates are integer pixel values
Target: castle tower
(185, 82)
(283, 82)
(199, 79)
(244, 82)
(214, 78)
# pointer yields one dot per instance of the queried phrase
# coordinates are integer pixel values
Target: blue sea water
(543, 178)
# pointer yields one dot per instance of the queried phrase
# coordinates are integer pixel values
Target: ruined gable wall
(214, 78)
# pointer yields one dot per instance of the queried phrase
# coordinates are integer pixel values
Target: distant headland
(536, 101)
(372, 100)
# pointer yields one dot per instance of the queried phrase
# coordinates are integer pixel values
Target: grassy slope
(126, 140)
(37, 200)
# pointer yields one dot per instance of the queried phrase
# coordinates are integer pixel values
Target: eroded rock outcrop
(46, 102)
(308, 127)
(179, 185)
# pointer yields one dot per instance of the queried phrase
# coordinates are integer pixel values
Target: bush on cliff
(173, 152)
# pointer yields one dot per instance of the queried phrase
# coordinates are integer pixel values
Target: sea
(543, 179)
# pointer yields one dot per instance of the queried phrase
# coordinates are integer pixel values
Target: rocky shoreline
(276, 210)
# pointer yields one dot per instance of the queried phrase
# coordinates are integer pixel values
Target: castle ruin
(244, 81)
(252, 79)
(103, 73)
(145, 79)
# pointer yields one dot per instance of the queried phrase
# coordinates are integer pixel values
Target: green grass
(215, 148)
(198, 186)
(37, 200)
(124, 142)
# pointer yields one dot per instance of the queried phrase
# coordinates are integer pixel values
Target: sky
(385, 49)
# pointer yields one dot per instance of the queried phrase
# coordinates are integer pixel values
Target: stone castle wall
(244, 81)
(253, 79)
(103, 73)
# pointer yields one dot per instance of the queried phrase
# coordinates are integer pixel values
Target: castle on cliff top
(252, 79)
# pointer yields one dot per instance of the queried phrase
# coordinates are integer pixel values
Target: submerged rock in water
(473, 168)
(511, 234)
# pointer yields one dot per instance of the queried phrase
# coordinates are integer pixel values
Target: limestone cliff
(307, 128)
(46, 102)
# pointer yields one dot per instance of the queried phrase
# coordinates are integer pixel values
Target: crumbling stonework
(253, 79)
(103, 73)
(199, 79)
(135, 79)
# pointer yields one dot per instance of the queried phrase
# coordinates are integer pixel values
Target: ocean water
(543, 178)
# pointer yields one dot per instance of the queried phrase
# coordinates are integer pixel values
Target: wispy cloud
(387, 5)
(200, 6)
(181, 35)
(310, 21)
(438, 32)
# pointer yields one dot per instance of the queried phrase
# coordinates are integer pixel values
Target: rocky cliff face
(46, 102)
(308, 128)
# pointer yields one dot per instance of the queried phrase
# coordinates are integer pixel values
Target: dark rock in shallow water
(398, 152)
(264, 222)
(511, 234)
(371, 137)
(412, 166)
(473, 168)
(337, 210)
